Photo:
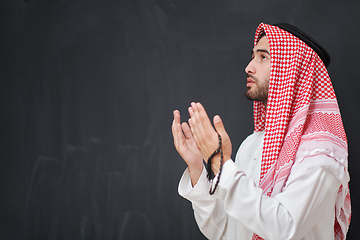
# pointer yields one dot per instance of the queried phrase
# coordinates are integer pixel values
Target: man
(290, 178)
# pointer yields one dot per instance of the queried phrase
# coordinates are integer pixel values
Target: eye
(263, 57)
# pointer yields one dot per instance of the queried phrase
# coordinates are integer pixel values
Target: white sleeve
(209, 212)
(290, 214)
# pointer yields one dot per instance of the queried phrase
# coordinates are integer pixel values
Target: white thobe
(304, 210)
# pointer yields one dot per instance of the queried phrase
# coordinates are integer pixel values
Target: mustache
(252, 77)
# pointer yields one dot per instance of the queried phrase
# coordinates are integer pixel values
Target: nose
(250, 67)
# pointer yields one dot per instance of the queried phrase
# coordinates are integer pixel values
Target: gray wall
(88, 89)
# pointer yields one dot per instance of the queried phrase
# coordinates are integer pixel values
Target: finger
(205, 128)
(187, 131)
(178, 135)
(176, 116)
(192, 129)
(226, 143)
(196, 121)
(176, 121)
(175, 132)
(219, 126)
(191, 120)
(191, 110)
(173, 128)
(203, 117)
(190, 123)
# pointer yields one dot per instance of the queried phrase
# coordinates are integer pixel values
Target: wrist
(195, 171)
(215, 163)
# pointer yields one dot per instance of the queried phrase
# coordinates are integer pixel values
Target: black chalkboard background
(87, 94)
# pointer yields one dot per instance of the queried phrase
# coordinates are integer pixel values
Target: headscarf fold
(301, 107)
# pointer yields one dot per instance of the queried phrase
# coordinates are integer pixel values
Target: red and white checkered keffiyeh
(301, 106)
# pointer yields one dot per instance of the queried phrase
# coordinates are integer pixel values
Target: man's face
(258, 72)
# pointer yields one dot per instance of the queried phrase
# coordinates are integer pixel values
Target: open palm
(184, 141)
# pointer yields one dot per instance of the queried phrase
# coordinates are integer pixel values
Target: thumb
(219, 126)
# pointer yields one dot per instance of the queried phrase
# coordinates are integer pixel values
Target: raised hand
(206, 137)
(186, 147)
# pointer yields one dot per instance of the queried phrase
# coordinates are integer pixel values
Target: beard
(258, 91)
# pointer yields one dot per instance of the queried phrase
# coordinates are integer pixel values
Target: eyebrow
(260, 50)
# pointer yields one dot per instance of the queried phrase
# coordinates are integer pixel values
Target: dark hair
(320, 50)
(261, 35)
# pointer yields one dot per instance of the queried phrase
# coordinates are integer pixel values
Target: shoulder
(250, 147)
(255, 138)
